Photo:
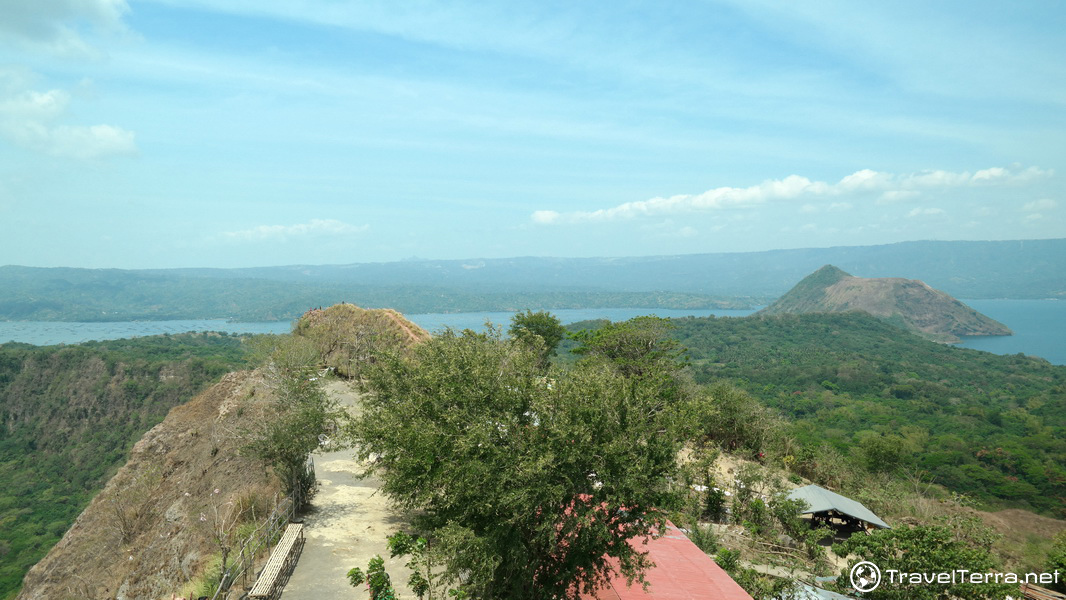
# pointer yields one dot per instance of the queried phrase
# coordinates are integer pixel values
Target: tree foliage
(303, 413)
(549, 477)
(992, 427)
(1056, 561)
(926, 549)
(541, 326)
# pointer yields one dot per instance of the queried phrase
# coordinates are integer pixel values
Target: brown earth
(142, 537)
(346, 336)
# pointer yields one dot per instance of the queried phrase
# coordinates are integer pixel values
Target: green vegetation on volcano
(990, 426)
(68, 417)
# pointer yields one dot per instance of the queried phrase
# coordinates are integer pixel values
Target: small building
(682, 572)
(802, 591)
(827, 506)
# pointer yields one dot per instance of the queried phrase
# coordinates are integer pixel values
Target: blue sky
(170, 133)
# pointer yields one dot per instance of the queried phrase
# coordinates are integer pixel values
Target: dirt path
(346, 526)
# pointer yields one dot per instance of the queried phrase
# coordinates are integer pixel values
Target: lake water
(476, 321)
(46, 333)
(1039, 325)
(1039, 328)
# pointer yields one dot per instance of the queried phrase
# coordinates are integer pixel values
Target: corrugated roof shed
(807, 592)
(682, 572)
(820, 499)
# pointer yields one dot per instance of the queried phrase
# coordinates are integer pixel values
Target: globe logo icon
(865, 576)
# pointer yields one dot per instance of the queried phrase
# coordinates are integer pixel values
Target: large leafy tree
(551, 478)
(542, 329)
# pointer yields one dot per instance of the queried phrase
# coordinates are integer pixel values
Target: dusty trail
(346, 526)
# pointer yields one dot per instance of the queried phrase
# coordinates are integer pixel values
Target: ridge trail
(346, 525)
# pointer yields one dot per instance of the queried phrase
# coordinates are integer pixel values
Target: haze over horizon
(189, 133)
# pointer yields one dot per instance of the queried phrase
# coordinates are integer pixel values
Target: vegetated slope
(155, 526)
(990, 426)
(68, 416)
(906, 302)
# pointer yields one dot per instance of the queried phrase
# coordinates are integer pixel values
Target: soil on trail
(346, 525)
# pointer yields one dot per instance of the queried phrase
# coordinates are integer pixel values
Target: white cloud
(895, 196)
(53, 25)
(865, 179)
(31, 119)
(892, 188)
(990, 174)
(316, 227)
(1042, 204)
(1033, 218)
(925, 212)
(545, 216)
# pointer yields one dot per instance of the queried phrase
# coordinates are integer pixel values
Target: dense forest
(68, 416)
(990, 426)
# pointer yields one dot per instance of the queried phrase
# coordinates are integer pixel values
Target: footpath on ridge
(346, 525)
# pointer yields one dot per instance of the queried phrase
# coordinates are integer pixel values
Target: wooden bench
(281, 562)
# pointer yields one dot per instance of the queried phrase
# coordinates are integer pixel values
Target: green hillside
(809, 294)
(990, 426)
(68, 416)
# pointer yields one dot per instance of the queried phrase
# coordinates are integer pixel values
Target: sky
(211, 133)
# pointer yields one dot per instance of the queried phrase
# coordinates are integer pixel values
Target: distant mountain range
(908, 303)
(1024, 268)
(1004, 269)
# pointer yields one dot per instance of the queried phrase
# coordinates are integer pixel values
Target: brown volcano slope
(346, 336)
(906, 302)
(149, 532)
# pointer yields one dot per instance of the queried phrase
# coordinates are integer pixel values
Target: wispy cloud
(313, 228)
(796, 187)
(925, 212)
(53, 25)
(1042, 204)
(33, 120)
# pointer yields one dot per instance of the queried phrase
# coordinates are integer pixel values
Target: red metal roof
(681, 572)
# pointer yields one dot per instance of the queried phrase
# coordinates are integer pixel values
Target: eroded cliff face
(150, 531)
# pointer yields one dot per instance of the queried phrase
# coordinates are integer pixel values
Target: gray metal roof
(807, 592)
(820, 499)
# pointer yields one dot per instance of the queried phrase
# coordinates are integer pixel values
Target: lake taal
(1039, 325)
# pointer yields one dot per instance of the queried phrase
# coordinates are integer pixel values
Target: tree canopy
(549, 476)
(541, 325)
